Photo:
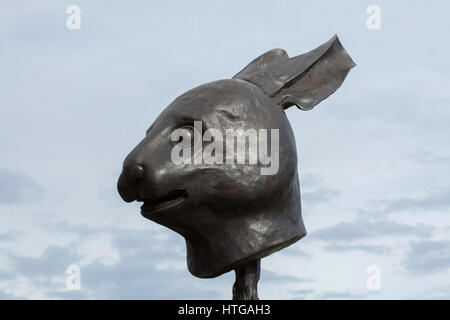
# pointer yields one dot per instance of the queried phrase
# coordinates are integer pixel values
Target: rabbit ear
(260, 64)
(304, 80)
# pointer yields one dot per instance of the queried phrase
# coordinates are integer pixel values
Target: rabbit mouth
(169, 200)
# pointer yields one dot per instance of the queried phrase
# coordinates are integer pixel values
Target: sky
(374, 158)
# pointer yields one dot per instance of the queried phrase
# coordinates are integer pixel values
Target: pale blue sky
(374, 158)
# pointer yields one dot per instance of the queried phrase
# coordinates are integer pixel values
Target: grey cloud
(439, 201)
(6, 237)
(310, 180)
(136, 275)
(39, 271)
(319, 195)
(365, 228)
(436, 293)
(110, 195)
(69, 295)
(335, 295)
(138, 278)
(18, 188)
(375, 249)
(427, 157)
(432, 202)
(5, 296)
(296, 250)
(425, 257)
(270, 276)
(4, 275)
(53, 261)
(302, 294)
(314, 191)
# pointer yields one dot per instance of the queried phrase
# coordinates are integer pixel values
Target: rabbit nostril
(136, 171)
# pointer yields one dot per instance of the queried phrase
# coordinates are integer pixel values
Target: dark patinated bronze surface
(230, 214)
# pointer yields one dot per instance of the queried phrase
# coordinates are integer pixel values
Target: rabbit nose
(136, 171)
(128, 182)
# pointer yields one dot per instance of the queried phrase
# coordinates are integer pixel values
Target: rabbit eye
(187, 138)
(183, 136)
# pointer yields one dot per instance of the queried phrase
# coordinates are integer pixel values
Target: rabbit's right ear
(304, 80)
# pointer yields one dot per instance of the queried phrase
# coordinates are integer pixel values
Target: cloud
(428, 157)
(437, 201)
(270, 276)
(319, 195)
(309, 180)
(364, 228)
(6, 237)
(302, 294)
(53, 261)
(137, 277)
(314, 191)
(436, 293)
(44, 274)
(375, 249)
(426, 257)
(18, 188)
(296, 251)
(347, 295)
(148, 268)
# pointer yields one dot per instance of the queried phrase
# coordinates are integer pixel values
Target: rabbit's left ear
(304, 80)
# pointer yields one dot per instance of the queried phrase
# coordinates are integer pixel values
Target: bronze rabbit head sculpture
(233, 212)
